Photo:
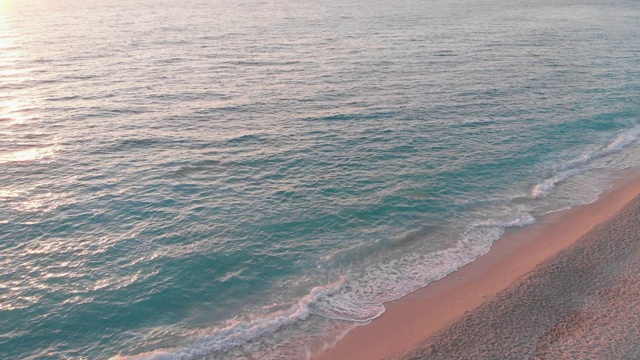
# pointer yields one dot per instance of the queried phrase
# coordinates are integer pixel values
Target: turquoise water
(253, 179)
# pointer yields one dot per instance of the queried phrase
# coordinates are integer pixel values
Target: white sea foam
(359, 298)
(241, 332)
(622, 141)
(582, 163)
(542, 189)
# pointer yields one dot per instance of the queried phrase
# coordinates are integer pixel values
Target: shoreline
(418, 316)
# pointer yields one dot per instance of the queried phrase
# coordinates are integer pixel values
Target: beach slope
(563, 288)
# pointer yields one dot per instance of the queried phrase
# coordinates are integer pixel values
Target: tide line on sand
(427, 322)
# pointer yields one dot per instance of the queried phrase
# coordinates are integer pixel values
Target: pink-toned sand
(415, 318)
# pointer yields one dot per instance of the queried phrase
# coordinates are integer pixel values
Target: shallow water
(581, 304)
(251, 180)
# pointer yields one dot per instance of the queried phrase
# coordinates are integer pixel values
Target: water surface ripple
(252, 179)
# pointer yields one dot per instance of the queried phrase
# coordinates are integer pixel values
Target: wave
(358, 298)
(622, 141)
(582, 163)
(544, 188)
(241, 332)
(387, 274)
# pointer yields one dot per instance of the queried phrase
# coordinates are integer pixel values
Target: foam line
(357, 299)
(582, 163)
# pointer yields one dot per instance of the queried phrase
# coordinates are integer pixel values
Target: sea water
(252, 179)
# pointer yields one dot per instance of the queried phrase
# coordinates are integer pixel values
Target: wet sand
(562, 288)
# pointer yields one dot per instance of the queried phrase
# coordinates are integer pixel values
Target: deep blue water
(252, 179)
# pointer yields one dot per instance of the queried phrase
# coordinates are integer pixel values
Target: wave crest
(581, 164)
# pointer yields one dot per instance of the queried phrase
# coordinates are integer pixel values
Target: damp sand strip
(473, 308)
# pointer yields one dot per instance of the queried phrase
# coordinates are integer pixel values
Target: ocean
(253, 179)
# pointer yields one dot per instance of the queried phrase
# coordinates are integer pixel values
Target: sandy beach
(540, 292)
(301, 180)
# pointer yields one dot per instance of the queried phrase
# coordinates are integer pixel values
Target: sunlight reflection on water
(27, 154)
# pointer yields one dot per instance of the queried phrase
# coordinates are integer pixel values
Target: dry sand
(499, 307)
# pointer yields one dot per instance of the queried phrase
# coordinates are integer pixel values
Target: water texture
(252, 179)
(582, 304)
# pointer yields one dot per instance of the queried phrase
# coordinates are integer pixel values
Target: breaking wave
(582, 164)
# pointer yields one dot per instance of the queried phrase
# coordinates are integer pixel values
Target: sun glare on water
(5, 9)
(27, 155)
